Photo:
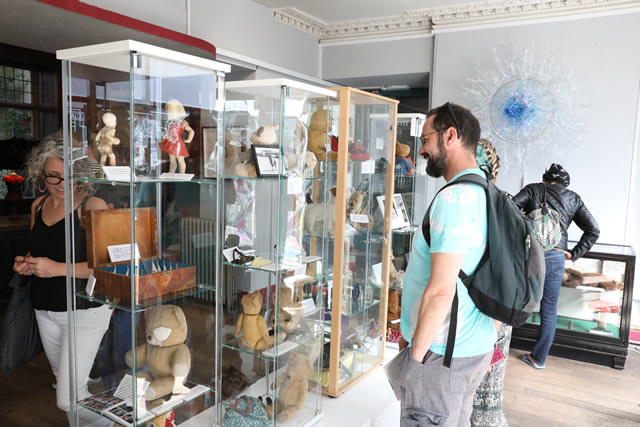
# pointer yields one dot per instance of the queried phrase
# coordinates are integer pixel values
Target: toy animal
(165, 353)
(292, 388)
(314, 222)
(319, 127)
(251, 324)
(356, 206)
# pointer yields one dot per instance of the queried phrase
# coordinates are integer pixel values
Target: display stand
(272, 328)
(360, 167)
(594, 309)
(153, 254)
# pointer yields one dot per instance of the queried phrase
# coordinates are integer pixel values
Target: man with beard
(430, 393)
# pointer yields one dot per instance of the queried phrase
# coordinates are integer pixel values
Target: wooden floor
(569, 393)
(565, 393)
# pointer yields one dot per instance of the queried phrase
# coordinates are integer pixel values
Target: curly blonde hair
(492, 156)
(53, 148)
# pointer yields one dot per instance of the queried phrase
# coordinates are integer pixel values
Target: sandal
(526, 358)
(240, 258)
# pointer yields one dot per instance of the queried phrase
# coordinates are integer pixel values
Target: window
(16, 104)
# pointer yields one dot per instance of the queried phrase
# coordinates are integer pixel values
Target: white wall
(605, 49)
(383, 62)
(239, 26)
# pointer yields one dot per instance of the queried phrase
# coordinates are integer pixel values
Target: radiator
(199, 249)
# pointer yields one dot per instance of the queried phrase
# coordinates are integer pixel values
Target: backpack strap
(426, 232)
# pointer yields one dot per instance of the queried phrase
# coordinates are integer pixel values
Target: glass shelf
(269, 179)
(272, 268)
(125, 305)
(405, 230)
(290, 343)
(140, 180)
(95, 403)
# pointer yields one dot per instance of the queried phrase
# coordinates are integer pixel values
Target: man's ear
(450, 136)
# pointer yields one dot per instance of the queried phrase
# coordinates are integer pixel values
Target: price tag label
(379, 143)
(308, 305)
(368, 167)
(294, 185)
(91, 283)
(359, 218)
(117, 173)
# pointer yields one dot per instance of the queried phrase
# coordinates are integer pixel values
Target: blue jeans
(554, 263)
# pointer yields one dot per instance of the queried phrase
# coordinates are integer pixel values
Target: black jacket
(570, 206)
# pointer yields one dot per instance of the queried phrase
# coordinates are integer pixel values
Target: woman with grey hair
(46, 264)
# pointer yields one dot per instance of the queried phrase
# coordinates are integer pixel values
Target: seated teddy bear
(165, 353)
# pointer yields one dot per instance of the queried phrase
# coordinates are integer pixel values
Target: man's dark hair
(452, 115)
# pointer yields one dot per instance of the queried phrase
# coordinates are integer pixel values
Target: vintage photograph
(267, 159)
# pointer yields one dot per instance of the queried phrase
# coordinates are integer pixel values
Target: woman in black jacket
(571, 209)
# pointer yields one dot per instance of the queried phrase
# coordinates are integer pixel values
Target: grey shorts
(431, 394)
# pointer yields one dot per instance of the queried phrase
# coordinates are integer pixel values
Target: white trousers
(91, 324)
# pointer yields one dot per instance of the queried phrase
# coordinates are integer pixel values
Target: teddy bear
(264, 135)
(290, 311)
(319, 127)
(393, 311)
(573, 278)
(296, 152)
(404, 166)
(310, 162)
(356, 206)
(292, 388)
(165, 353)
(251, 324)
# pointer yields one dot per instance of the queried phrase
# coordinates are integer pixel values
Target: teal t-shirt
(458, 226)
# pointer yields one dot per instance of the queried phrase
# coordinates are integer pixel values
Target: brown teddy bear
(251, 324)
(393, 312)
(319, 127)
(290, 311)
(168, 359)
(292, 388)
(404, 165)
(573, 278)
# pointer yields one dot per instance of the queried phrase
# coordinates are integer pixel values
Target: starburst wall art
(527, 104)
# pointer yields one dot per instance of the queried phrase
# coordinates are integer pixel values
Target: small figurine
(106, 139)
(173, 144)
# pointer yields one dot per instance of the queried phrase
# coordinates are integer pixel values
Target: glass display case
(594, 308)
(360, 175)
(409, 180)
(137, 120)
(272, 328)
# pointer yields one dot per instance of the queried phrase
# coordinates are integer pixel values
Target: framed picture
(399, 214)
(267, 159)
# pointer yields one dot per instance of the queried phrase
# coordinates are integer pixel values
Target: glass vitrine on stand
(360, 171)
(594, 308)
(272, 328)
(136, 119)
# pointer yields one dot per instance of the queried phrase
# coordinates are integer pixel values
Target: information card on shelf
(368, 167)
(117, 173)
(176, 176)
(118, 253)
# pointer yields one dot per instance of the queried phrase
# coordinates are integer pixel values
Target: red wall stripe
(129, 22)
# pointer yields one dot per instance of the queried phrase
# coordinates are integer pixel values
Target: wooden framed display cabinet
(594, 309)
(143, 110)
(360, 168)
(272, 330)
(407, 183)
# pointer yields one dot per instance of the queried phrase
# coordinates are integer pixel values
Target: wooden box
(113, 227)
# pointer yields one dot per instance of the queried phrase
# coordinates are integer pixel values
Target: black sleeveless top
(48, 241)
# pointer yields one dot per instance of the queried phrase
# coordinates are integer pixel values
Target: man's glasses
(53, 179)
(453, 116)
(424, 137)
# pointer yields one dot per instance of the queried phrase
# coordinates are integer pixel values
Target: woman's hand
(45, 267)
(20, 266)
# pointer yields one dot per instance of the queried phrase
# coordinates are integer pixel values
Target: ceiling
(340, 20)
(335, 11)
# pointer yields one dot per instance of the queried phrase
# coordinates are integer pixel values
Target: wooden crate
(113, 227)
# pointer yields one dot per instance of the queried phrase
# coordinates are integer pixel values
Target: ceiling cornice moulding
(428, 20)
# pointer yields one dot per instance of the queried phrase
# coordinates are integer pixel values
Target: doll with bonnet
(173, 144)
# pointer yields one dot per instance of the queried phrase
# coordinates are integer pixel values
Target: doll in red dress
(173, 144)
